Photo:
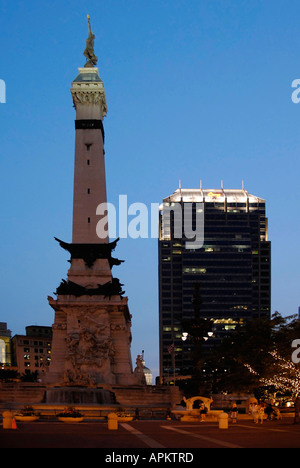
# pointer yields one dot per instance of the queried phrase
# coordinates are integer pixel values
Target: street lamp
(184, 336)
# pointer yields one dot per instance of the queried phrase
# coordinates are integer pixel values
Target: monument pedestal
(91, 342)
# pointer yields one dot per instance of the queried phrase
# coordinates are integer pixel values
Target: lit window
(194, 271)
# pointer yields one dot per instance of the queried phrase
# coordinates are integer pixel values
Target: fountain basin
(79, 395)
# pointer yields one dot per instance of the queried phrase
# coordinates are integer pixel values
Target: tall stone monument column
(92, 328)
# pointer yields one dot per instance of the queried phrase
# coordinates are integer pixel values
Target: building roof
(212, 195)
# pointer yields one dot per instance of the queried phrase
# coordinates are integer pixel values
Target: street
(157, 436)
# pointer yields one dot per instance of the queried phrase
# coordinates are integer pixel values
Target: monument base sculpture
(91, 342)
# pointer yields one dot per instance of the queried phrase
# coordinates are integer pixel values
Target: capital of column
(88, 89)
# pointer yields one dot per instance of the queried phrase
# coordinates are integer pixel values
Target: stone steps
(21, 393)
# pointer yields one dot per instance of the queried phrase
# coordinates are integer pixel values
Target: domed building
(143, 371)
(147, 372)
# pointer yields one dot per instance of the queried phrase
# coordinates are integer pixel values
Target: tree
(30, 376)
(282, 375)
(258, 354)
(197, 329)
(255, 357)
(284, 378)
(7, 375)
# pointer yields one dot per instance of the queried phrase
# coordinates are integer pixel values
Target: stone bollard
(7, 419)
(223, 421)
(112, 420)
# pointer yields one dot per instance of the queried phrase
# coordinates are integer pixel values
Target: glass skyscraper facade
(229, 275)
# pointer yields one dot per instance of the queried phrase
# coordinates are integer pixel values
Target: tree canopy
(255, 357)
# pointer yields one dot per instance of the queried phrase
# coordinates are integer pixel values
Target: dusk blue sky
(196, 90)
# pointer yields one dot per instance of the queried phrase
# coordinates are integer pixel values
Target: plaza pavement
(156, 436)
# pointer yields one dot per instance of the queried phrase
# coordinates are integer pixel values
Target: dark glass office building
(230, 274)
